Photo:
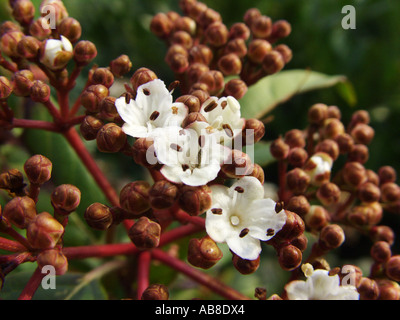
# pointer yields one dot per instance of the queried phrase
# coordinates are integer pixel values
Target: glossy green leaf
(262, 97)
(260, 153)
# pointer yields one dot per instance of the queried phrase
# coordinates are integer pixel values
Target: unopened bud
(182, 38)
(40, 91)
(142, 76)
(84, 52)
(110, 138)
(300, 242)
(285, 51)
(273, 62)
(290, 257)
(200, 94)
(40, 28)
(203, 253)
(5, 88)
(12, 180)
(214, 80)
(143, 152)
(98, 216)
(331, 237)
(155, 292)
(134, 197)
(369, 192)
(57, 7)
(279, 149)
(253, 131)
(186, 24)
(297, 181)
(388, 290)
(380, 251)
(20, 211)
(145, 234)
(317, 113)
(317, 217)
(108, 111)
(28, 47)
(71, 29)
(237, 165)
(92, 97)
(261, 27)
(328, 193)
(44, 232)
(387, 174)
(55, 258)
(38, 169)
(236, 46)
(245, 266)
(236, 88)
(200, 54)
(23, 81)
(368, 289)
(103, 76)
(192, 102)
(390, 192)
(332, 128)
(258, 173)
(66, 198)
(192, 118)
(329, 147)
(251, 15)
(372, 177)
(297, 157)
(8, 26)
(56, 53)
(163, 194)
(161, 25)
(239, 30)
(178, 63)
(293, 228)
(195, 200)
(295, 138)
(354, 174)
(258, 48)
(362, 133)
(280, 29)
(318, 167)
(90, 126)
(260, 293)
(382, 233)
(208, 17)
(360, 116)
(298, 204)
(9, 42)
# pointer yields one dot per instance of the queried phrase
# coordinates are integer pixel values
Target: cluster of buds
(202, 50)
(44, 231)
(331, 199)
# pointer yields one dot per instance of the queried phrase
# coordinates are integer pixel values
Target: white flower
(319, 167)
(319, 285)
(191, 156)
(152, 108)
(241, 217)
(224, 115)
(56, 53)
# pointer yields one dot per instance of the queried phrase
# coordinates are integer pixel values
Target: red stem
(11, 245)
(213, 284)
(100, 251)
(143, 272)
(179, 233)
(32, 285)
(63, 100)
(35, 124)
(11, 232)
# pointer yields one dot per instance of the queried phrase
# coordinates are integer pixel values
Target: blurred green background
(368, 56)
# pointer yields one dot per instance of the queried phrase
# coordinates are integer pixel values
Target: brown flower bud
(273, 62)
(103, 76)
(58, 8)
(280, 29)
(120, 66)
(28, 47)
(186, 24)
(23, 81)
(245, 266)
(261, 27)
(380, 251)
(200, 54)
(388, 290)
(90, 126)
(38, 169)
(92, 97)
(372, 177)
(289, 257)
(279, 149)
(12, 180)
(84, 52)
(208, 17)
(332, 128)
(368, 289)
(237, 165)
(362, 133)
(360, 116)
(142, 76)
(145, 234)
(236, 88)
(317, 113)
(230, 64)
(40, 91)
(297, 157)
(71, 29)
(66, 198)
(237, 46)
(200, 94)
(369, 192)
(382, 233)
(163, 194)
(387, 174)
(329, 147)
(44, 232)
(178, 63)
(155, 292)
(9, 42)
(195, 200)
(293, 228)
(331, 237)
(143, 152)
(161, 25)
(350, 275)
(20, 211)
(390, 192)
(297, 181)
(258, 173)
(300, 242)
(345, 143)
(258, 48)
(260, 293)
(193, 117)
(192, 102)
(239, 30)
(134, 197)
(285, 51)
(214, 80)
(55, 258)
(354, 174)
(253, 131)
(328, 193)
(295, 138)
(110, 138)
(298, 204)
(98, 216)
(40, 28)
(251, 15)
(182, 38)
(8, 26)
(5, 88)
(203, 253)
(195, 71)
(317, 218)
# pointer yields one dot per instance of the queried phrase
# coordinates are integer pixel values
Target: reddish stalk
(184, 217)
(100, 251)
(12, 233)
(11, 245)
(63, 100)
(204, 279)
(53, 111)
(35, 124)
(144, 261)
(179, 233)
(32, 285)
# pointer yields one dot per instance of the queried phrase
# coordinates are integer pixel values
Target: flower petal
(218, 226)
(246, 247)
(298, 290)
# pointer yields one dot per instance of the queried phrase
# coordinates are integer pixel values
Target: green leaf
(262, 97)
(260, 153)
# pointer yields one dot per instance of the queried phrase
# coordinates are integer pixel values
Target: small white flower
(319, 167)
(241, 217)
(191, 156)
(56, 53)
(152, 108)
(224, 115)
(319, 285)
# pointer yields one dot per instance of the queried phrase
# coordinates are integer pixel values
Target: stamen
(244, 232)
(175, 147)
(228, 130)
(279, 206)
(270, 232)
(146, 91)
(224, 104)
(185, 167)
(239, 189)
(216, 211)
(173, 86)
(211, 106)
(174, 110)
(202, 141)
(154, 115)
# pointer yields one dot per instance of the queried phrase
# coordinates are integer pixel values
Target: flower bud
(236, 88)
(203, 253)
(387, 174)
(200, 54)
(280, 29)
(195, 71)
(328, 193)
(285, 51)
(388, 290)
(380, 251)
(317, 113)
(161, 25)
(298, 204)
(163, 194)
(103, 76)
(55, 258)
(214, 80)
(300, 242)
(38, 169)
(145, 234)
(239, 30)
(40, 91)
(251, 15)
(92, 97)
(261, 27)
(372, 177)
(143, 152)
(8, 26)
(279, 149)
(192, 102)
(71, 29)
(20, 211)
(362, 133)
(5, 88)
(297, 157)
(134, 197)
(332, 128)
(295, 138)
(90, 126)
(258, 48)
(110, 138)
(382, 233)
(393, 268)
(142, 76)
(40, 28)
(260, 293)
(359, 153)
(390, 192)
(182, 38)
(208, 17)
(245, 266)
(12, 180)
(354, 174)
(192, 118)
(195, 200)
(293, 228)
(317, 218)
(345, 143)
(23, 81)
(273, 62)
(369, 192)
(290, 257)
(368, 289)
(297, 181)
(200, 94)
(28, 47)
(360, 116)
(236, 46)
(56, 53)
(108, 111)
(237, 165)
(44, 232)
(258, 173)
(57, 7)
(65, 198)
(186, 24)
(84, 52)
(9, 42)
(98, 216)
(329, 147)
(155, 292)
(178, 63)
(331, 237)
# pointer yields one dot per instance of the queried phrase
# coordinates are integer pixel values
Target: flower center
(235, 220)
